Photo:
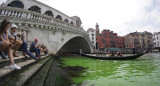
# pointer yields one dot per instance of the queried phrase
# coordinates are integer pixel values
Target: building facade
(156, 41)
(92, 35)
(107, 40)
(139, 40)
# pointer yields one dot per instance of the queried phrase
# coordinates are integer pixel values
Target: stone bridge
(52, 27)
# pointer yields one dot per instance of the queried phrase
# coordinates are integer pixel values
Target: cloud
(2, 1)
(120, 16)
(147, 20)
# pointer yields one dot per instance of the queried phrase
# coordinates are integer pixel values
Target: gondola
(114, 57)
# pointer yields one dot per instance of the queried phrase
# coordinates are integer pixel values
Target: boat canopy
(116, 48)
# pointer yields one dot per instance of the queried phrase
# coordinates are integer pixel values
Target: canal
(144, 71)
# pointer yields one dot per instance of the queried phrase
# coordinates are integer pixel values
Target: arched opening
(49, 13)
(66, 20)
(76, 44)
(35, 9)
(59, 17)
(17, 4)
(71, 22)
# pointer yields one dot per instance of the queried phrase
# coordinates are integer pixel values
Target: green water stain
(144, 71)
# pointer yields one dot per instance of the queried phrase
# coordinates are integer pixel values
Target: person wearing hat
(20, 45)
(17, 42)
(34, 48)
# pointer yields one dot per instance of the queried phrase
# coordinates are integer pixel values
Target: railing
(6, 11)
(26, 14)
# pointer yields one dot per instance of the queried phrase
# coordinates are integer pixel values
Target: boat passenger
(119, 53)
(112, 54)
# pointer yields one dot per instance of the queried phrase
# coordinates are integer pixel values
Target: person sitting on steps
(35, 48)
(17, 42)
(5, 44)
(23, 45)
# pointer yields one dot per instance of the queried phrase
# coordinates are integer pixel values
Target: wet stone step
(39, 77)
(19, 77)
(16, 60)
(5, 72)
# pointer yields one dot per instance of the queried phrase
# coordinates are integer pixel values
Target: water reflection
(111, 72)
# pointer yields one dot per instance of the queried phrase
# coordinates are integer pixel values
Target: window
(59, 17)
(66, 20)
(92, 38)
(17, 4)
(49, 13)
(71, 22)
(92, 34)
(35, 9)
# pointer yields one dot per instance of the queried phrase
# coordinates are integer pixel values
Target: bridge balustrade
(30, 15)
(26, 14)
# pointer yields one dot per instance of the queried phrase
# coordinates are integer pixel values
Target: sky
(119, 16)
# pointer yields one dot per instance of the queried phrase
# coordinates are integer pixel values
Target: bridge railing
(13, 12)
(26, 14)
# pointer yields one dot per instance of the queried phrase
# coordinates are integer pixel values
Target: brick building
(108, 39)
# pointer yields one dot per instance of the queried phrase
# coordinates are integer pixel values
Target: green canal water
(144, 71)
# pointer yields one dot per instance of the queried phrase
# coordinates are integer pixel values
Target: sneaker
(15, 67)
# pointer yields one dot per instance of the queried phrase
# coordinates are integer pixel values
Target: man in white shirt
(17, 42)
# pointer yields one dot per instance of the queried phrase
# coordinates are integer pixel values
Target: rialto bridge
(52, 27)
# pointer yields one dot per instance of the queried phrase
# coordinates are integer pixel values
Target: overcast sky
(120, 16)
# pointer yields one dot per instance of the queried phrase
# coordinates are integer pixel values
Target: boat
(113, 57)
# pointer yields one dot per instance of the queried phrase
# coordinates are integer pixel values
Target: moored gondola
(114, 57)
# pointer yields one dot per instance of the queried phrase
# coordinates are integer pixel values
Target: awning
(155, 49)
(116, 48)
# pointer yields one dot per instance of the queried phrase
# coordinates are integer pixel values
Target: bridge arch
(74, 45)
(17, 4)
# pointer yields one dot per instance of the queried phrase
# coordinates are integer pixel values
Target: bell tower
(97, 29)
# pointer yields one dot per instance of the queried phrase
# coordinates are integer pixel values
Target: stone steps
(6, 62)
(39, 77)
(21, 61)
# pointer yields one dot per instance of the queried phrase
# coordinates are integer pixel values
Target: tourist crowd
(11, 42)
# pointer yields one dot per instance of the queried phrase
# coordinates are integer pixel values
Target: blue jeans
(36, 50)
(24, 49)
(4, 54)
